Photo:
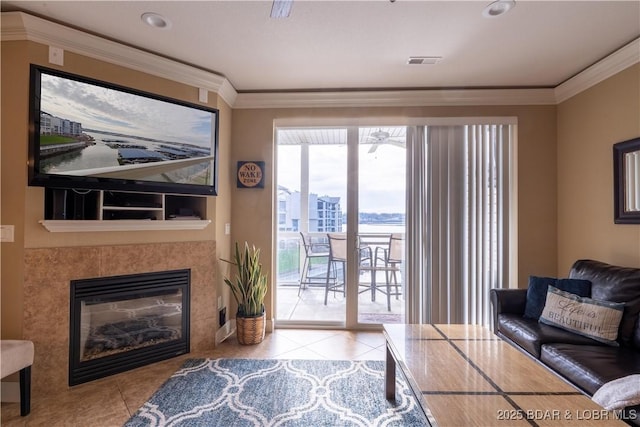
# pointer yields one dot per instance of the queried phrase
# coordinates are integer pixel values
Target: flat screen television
(89, 134)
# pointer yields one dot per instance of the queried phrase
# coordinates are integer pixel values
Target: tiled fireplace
(49, 273)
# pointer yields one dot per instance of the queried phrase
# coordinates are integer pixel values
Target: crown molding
(397, 98)
(22, 26)
(619, 60)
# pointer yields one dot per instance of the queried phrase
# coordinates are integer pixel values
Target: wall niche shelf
(101, 210)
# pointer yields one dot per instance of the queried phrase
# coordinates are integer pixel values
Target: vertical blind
(460, 209)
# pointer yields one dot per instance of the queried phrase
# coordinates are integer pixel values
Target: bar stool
(312, 251)
(337, 263)
(390, 259)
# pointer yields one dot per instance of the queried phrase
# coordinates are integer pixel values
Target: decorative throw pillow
(537, 292)
(591, 318)
(619, 393)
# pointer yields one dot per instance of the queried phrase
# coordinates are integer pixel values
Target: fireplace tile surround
(48, 272)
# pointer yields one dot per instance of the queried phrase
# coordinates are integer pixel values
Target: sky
(382, 179)
(110, 110)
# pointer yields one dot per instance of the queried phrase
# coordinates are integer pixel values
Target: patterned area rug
(255, 392)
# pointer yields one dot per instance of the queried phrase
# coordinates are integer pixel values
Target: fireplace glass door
(122, 322)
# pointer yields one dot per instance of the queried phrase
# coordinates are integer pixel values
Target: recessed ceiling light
(156, 20)
(498, 8)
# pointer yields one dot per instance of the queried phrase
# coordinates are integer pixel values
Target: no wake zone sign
(250, 174)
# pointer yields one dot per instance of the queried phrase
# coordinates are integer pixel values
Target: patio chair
(337, 258)
(366, 264)
(312, 250)
(389, 260)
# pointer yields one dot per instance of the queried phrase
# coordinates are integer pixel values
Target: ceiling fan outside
(381, 137)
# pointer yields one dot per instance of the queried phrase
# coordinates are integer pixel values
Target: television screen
(89, 134)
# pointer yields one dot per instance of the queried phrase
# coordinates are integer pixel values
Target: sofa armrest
(503, 301)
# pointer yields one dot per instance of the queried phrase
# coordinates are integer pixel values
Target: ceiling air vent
(423, 60)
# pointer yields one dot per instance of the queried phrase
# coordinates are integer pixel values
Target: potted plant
(249, 289)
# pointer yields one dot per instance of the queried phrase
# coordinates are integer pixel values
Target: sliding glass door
(353, 200)
(341, 200)
(381, 212)
(312, 197)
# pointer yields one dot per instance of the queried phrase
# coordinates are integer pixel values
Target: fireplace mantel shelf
(70, 226)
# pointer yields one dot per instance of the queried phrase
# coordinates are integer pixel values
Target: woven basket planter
(250, 330)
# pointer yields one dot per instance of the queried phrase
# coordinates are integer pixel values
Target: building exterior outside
(52, 125)
(325, 213)
(329, 214)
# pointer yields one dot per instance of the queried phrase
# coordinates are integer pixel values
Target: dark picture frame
(623, 153)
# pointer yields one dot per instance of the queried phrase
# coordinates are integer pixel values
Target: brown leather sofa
(586, 363)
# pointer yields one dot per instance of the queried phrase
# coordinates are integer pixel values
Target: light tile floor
(111, 401)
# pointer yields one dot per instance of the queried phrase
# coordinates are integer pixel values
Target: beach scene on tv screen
(90, 130)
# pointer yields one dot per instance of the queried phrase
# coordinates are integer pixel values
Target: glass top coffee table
(464, 375)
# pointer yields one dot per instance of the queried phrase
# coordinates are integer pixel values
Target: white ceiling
(336, 45)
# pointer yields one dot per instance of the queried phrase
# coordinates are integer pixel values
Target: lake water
(100, 155)
(93, 156)
(381, 228)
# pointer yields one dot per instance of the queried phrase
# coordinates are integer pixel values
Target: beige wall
(13, 158)
(222, 202)
(588, 126)
(23, 206)
(252, 139)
